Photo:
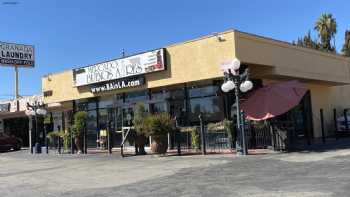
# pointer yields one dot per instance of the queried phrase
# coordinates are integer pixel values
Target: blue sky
(69, 34)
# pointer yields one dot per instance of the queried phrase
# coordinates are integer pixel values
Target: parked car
(341, 124)
(9, 142)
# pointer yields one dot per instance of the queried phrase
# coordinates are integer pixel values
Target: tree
(79, 126)
(346, 46)
(142, 127)
(326, 26)
(308, 42)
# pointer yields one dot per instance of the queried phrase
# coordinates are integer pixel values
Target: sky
(69, 34)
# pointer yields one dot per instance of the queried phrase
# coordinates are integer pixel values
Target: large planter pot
(79, 144)
(140, 143)
(159, 146)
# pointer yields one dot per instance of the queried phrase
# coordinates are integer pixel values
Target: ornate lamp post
(35, 110)
(233, 80)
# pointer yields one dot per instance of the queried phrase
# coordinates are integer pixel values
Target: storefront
(14, 121)
(184, 80)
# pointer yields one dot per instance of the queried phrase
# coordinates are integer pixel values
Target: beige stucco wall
(292, 61)
(194, 60)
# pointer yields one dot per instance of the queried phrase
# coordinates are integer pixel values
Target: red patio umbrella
(273, 100)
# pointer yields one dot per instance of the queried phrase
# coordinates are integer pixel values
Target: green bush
(79, 123)
(195, 138)
(229, 128)
(160, 125)
(141, 120)
(67, 139)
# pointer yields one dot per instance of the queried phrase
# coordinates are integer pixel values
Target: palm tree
(346, 46)
(326, 26)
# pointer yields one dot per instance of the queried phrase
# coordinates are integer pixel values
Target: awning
(273, 100)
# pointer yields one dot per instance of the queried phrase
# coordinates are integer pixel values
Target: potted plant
(160, 125)
(78, 129)
(195, 138)
(230, 130)
(142, 127)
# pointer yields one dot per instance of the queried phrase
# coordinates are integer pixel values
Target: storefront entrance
(182, 102)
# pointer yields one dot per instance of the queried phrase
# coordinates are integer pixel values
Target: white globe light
(41, 111)
(224, 87)
(30, 113)
(236, 64)
(246, 86)
(230, 85)
(243, 88)
(249, 85)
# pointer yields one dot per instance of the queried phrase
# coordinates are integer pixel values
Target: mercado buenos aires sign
(139, 64)
(16, 54)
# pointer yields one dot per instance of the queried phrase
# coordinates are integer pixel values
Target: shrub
(229, 128)
(141, 120)
(54, 135)
(195, 138)
(79, 123)
(67, 139)
(160, 125)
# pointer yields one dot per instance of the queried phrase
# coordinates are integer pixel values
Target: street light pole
(238, 122)
(35, 110)
(233, 80)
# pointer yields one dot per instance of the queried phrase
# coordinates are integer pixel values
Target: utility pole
(16, 82)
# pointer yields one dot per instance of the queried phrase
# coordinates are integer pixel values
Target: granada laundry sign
(118, 84)
(16, 54)
(139, 64)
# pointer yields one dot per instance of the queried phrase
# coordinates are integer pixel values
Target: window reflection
(134, 97)
(211, 107)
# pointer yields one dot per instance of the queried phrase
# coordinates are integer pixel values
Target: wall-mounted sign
(118, 84)
(16, 54)
(120, 68)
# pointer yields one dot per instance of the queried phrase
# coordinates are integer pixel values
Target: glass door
(92, 129)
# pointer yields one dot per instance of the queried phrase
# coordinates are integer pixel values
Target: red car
(9, 142)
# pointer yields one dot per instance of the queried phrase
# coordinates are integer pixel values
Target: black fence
(258, 137)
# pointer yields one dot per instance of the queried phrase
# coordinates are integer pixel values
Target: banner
(143, 63)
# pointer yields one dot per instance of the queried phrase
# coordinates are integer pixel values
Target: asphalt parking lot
(288, 174)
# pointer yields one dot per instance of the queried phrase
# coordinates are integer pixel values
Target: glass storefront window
(134, 97)
(161, 95)
(159, 107)
(92, 128)
(203, 91)
(211, 107)
(119, 99)
(91, 105)
(82, 107)
(177, 94)
(128, 114)
(106, 102)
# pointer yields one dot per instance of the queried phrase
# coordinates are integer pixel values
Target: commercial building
(184, 79)
(14, 121)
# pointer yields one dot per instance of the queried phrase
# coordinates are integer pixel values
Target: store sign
(16, 54)
(5, 107)
(118, 84)
(143, 63)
